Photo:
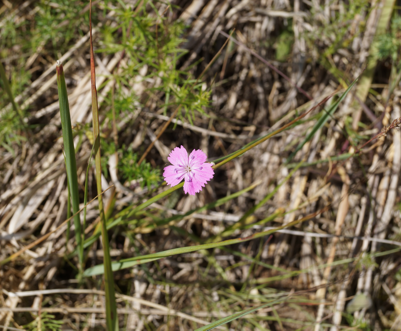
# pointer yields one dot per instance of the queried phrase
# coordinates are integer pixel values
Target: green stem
(111, 307)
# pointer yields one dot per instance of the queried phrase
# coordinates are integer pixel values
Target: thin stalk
(111, 307)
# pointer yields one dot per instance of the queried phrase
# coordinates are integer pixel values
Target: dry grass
(351, 250)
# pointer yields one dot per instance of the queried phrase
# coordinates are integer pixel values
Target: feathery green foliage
(144, 173)
(152, 49)
(44, 322)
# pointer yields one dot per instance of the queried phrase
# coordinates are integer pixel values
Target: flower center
(188, 169)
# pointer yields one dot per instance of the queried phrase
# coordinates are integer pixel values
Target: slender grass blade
(70, 161)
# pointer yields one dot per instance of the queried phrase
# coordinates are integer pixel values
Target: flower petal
(192, 186)
(171, 176)
(203, 173)
(197, 158)
(179, 156)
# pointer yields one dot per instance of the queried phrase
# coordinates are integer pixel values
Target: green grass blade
(70, 161)
(246, 224)
(319, 267)
(126, 263)
(322, 121)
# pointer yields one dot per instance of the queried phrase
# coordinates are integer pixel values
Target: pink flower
(192, 169)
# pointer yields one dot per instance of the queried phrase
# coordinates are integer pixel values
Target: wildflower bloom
(192, 169)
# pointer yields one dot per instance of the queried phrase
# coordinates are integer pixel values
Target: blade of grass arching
(126, 263)
(70, 162)
(321, 122)
(235, 316)
(111, 306)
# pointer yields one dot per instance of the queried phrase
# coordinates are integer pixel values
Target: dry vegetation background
(338, 270)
